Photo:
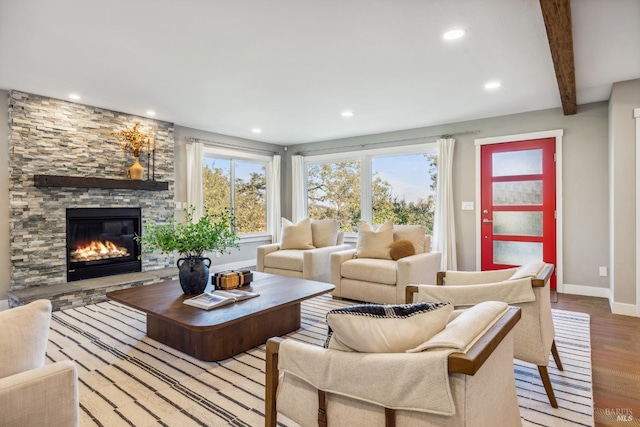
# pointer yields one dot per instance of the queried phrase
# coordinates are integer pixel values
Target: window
(389, 184)
(333, 191)
(403, 189)
(246, 198)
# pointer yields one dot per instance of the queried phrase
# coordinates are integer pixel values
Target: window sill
(257, 237)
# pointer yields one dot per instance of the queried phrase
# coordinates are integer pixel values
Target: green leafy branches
(191, 239)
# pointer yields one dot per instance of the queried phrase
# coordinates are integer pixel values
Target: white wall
(625, 96)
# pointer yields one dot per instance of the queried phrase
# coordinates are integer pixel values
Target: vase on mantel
(136, 171)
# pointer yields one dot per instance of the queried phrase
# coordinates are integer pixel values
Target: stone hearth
(90, 291)
(51, 137)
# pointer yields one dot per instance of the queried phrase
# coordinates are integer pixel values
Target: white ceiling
(290, 67)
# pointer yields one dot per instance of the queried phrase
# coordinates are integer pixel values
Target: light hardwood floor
(615, 359)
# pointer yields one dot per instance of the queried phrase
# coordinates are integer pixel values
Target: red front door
(518, 203)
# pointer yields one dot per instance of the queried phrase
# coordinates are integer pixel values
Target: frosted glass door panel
(516, 253)
(525, 162)
(517, 223)
(517, 193)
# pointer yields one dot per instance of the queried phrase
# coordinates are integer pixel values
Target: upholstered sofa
(462, 376)
(33, 394)
(369, 272)
(304, 251)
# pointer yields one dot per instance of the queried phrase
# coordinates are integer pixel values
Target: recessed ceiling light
(256, 130)
(492, 85)
(151, 113)
(347, 114)
(74, 96)
(453, 34)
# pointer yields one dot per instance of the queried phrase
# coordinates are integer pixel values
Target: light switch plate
(467, 206)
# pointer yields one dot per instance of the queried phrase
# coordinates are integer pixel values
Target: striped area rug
(127, 379)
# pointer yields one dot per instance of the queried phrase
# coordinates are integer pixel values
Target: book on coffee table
(218, 298)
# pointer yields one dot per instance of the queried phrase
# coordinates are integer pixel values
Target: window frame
(365, 157)
(237, 155)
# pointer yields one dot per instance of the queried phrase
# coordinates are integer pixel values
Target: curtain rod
(417, 140)
(235, 147)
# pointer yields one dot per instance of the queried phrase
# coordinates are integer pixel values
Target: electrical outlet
(603, 271)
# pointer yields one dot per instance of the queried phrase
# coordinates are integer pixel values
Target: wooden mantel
(85, 182)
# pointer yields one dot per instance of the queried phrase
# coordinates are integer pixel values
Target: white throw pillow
(23, 337)
(296, 236)
(325, 232)
(374, 242)
(375, 328)
(465, 327)
(528, 270)
(413, 233)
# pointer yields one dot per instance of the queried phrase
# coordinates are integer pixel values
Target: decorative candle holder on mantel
(151, 148)
(135, 141)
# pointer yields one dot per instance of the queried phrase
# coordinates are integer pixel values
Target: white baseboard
(232, 265)
(588, 291)
(4, 304)
(624, 309)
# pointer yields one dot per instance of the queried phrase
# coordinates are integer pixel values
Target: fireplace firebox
(100, 242)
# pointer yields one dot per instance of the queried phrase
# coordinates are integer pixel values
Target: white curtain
(273, 197)
(194, 174)
(297, 189)
(444, 230)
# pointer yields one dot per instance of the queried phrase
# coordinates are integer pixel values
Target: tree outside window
(246, 198)
(402, 189)
(333, 191)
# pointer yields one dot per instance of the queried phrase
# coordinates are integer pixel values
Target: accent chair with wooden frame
(534, 336)
(485, 364)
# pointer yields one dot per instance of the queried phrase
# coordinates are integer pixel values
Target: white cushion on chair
(289, 259)
(374, 242)
(370, 270)
(462, 331)
(298, 235)
(23, 337)
(528, 270)
(373, 328)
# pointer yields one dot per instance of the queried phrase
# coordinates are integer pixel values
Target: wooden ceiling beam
(557, 21)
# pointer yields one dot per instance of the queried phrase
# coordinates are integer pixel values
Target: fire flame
(98, 250)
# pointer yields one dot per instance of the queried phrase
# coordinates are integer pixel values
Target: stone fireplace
(62, 159)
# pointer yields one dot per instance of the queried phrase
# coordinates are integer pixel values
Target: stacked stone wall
(55, 137)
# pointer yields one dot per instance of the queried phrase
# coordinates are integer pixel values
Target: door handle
(486, 221)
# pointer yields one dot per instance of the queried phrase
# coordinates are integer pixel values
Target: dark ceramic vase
(193, 274)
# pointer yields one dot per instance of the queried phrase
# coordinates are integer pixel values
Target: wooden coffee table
(225, 331)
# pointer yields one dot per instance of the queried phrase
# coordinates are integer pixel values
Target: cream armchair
(322, 386)
(526, 287)
(33, 394)
(380, 280)
(304, 251)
